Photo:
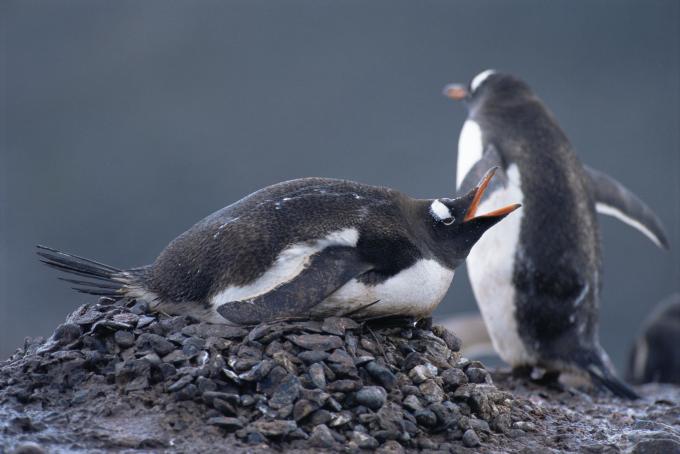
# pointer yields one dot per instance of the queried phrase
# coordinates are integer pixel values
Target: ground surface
(115, 378)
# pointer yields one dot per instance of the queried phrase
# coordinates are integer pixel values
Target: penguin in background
(537, 277)
(311, 247)
(655, 356)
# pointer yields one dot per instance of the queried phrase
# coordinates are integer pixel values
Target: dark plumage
(547, 265)
(284, 250)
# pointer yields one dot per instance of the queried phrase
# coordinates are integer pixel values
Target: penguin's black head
(485, 85)
(456, 226)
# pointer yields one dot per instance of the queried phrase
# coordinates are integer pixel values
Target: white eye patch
(440, 211)
(480, 78)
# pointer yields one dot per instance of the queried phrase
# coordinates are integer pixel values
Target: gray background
(123, 123)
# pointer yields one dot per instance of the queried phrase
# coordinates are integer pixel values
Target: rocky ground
(120, 378)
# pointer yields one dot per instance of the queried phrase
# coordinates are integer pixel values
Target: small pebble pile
(334, 383)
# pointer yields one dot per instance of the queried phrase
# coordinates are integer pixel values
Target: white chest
(415, 291)
(490, 267)
(470, 149)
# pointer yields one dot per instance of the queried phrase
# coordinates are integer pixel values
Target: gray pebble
(470, 439)
(372, 397)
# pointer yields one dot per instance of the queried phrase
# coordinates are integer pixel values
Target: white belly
(415, 291)
(490, 267)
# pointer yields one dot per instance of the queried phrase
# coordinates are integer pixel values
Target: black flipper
(490, 158)
(613, 199)
(326, 272)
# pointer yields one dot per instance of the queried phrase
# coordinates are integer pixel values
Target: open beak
(479, 192)
(457, 92)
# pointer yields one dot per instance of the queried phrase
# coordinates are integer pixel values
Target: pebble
(470, 439)
(372, 397)
(317, 375)
(124, 339)
(422, 372)
(316, 342)
(229, 424)
(321, 437)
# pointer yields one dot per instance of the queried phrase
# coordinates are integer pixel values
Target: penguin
(655, 356)
(537, 277)
(310, 247)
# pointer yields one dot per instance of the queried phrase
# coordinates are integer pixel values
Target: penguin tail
(102, 280)
(602, 374)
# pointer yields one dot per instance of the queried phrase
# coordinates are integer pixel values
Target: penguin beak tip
(457, 92)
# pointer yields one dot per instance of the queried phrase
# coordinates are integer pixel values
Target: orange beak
(481, 188)
(456, 92)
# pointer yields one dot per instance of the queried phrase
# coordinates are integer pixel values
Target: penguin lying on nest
(536, 277)
(309, 247)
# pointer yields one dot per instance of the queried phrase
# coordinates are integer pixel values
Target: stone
(372, 397)
(124, 339)
(422, 372)
(150, 341)
(338, 325)
(426, 417)
(317, 375)
(343, 386)
(470, 439)
(304, 408)
(412, 403)
(276, 428)
(258, 371)
(321, 437)
(181, 383)
(205, 330)
(286, 392)
(390, 447)
(452, 342)
(316, 341)
(477, 375)
(431, 391)
(227, 423)
(313, 356)
(657, 446)
(382, 374)
(363, 440)
(454, 377)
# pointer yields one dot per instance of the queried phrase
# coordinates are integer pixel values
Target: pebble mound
(334, 383)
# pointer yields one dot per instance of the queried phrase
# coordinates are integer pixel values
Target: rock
(124, 339)
(657, 446)
(317, 375)
(431, 391)
(150, 341)
(343, 386)
(321, 437)
(454, 377)
(313, 356)
(205, 330)
(274, 428)
(470, 439)
(181, 383)
(372, 397)
(390, 447)
(382, 374)
(29, 448)
(477, 375)
(258, 372)
(304, 408)
(286, 392)
(412, 403)
(229, 424)
(452, 341)
(422, 372)
(316, 342)
(426, 417)
(363, 440)
(338, 325)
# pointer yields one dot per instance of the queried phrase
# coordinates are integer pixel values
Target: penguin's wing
(613, 199)
(326, 272)
(490, 158)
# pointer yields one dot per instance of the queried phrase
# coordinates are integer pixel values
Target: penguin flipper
(490, 158)
(326, 272)
(613, 199)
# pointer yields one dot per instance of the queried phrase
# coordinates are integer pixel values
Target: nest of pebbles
(334, 383)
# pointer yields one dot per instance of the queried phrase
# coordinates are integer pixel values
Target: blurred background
(125, 122)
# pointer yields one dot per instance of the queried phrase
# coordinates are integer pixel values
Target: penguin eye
(448, 221)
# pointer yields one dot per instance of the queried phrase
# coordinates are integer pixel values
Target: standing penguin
(536, 278)
(307, 247)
